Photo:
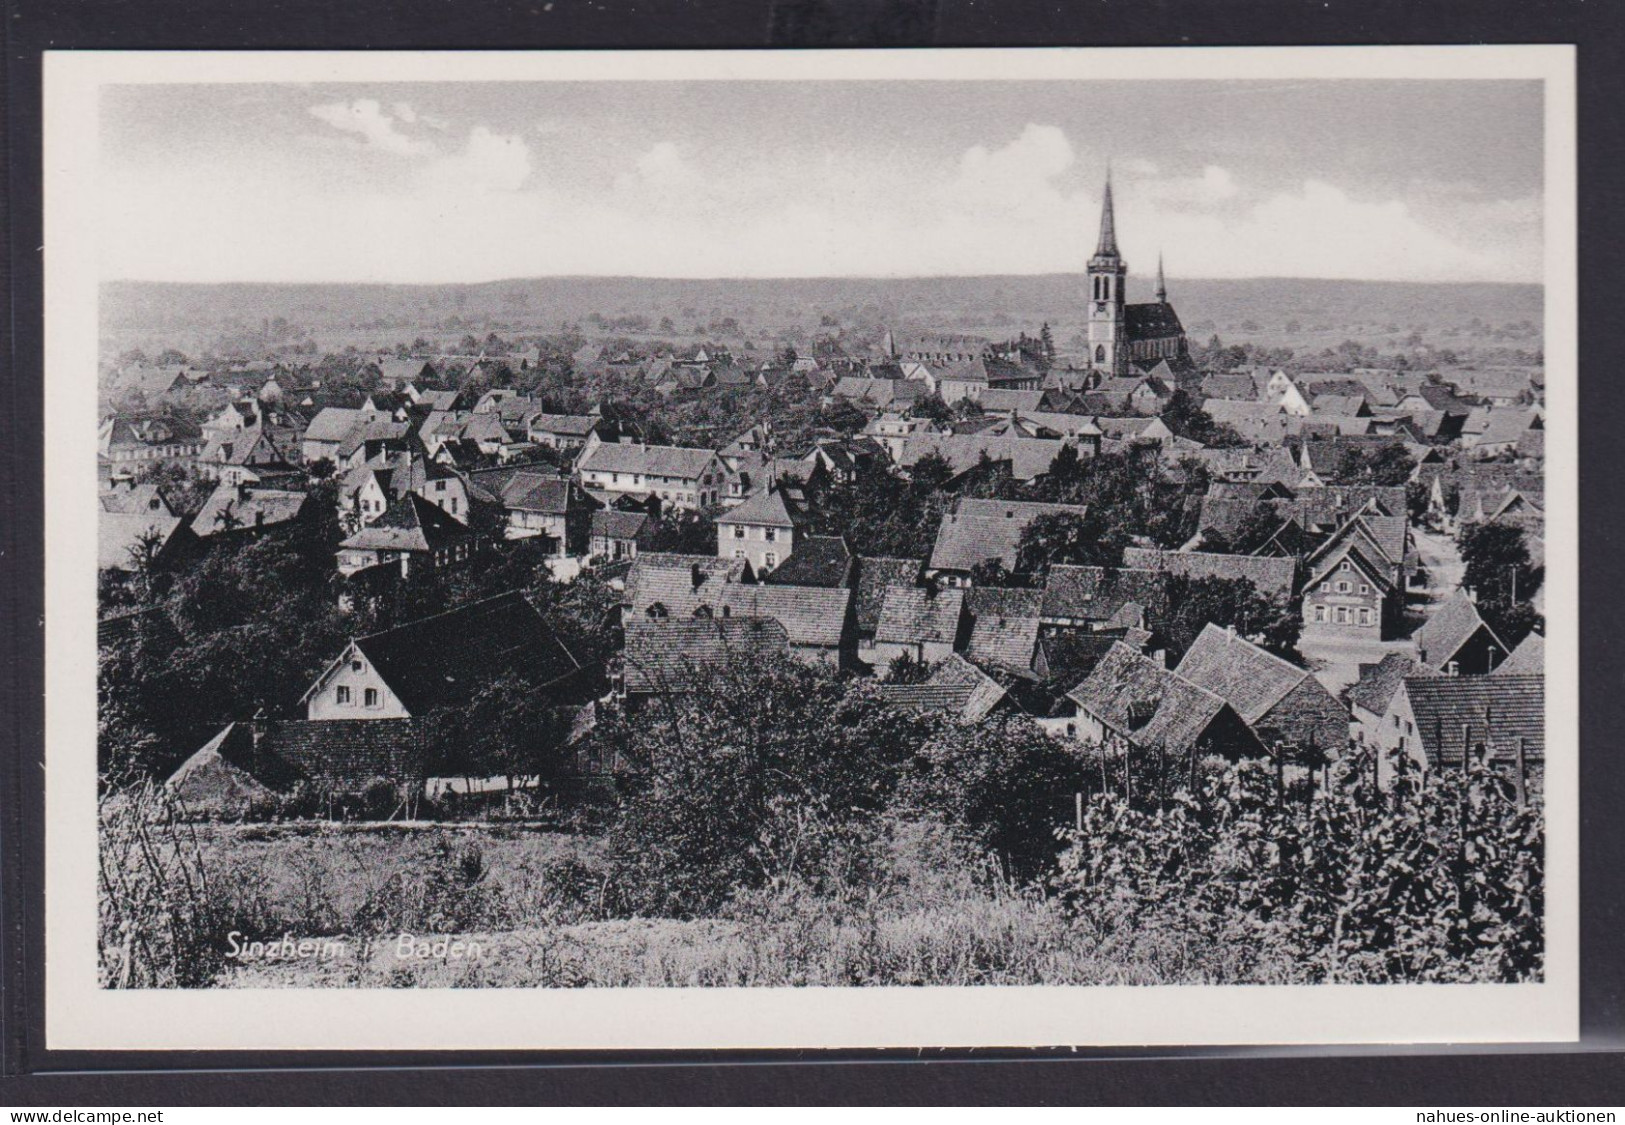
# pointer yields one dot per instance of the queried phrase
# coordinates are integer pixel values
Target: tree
(1186, 418)
(775, 774)
(1389, 465)
(1000, 785)
(1502, 574)
(1047, 340)
(930, 473)
(1066, 538)
(1191, 604)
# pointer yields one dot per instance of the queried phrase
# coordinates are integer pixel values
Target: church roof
(1151, 321)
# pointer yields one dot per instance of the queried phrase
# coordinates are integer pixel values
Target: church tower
(1108, 273)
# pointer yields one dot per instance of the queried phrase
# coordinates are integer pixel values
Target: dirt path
(1442, 561)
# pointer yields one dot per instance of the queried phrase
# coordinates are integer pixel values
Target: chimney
(696, 575)
(1160, 657)
(1453, 668)
(1472, 595)
(1229, 635)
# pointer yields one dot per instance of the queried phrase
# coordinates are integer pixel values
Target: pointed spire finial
(1162, 286)
(1108, 225)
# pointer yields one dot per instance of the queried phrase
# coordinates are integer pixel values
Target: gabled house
(763, 529)
(540, 505)
(671, 655)
(977, 531)
(1455, 640)
(1272, 577)
(1005, 628)
(412, 533)
(1433, 721)
(1132, 701)
(245, 509)
(442, 661)
(955, 687)
(1370, 696)
(1284, 705)
(666, 586)
(615, 535)
(678, 476)
(921, 622)
(874, 574)
(817, 620)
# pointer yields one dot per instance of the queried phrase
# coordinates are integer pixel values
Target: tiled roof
(565, 425)
(875, 573)
(978, 530)
(1272, 576)
(1151, 321)
(766, 508)
(1245, 676)
(1378, 682)
(650, 460)
(1093, 593)
(669, 655)
(680, 583)
(613, 524)
(955, 686)
(1506, 707)
(118, 532)
(1005, 626)
(333, 423)
(1141, 699)
(816, 560)
(917, 615)
(411, 523)
(536, 492)
(1028, 457)
(994, 401)
(134, 500)
(231, 507)
(1451, 626)
(1529, 658)
(811, 615)
(1237, 388)
(444, 659)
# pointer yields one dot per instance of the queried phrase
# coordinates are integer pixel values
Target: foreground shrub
(1437, 881)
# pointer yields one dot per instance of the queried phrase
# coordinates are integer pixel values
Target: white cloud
(487, 210)
(366, 117)
(490, 161)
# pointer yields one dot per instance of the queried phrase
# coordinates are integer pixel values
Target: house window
(342, 695)
(739, 552)
(1342, 587)
(771, 534)
(770, 560)
(1365, 617)
(1344, 565)
(370, 697)
(1320, 613)
(739, 532)
(1364, 589)
(355, 665)
(1342, 615)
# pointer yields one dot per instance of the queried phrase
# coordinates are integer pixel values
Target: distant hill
(542, 304)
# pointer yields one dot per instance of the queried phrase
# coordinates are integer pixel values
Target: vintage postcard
(811, 549)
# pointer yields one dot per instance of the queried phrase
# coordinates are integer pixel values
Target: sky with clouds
(453, 182)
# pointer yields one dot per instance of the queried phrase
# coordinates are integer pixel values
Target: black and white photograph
(788, 539)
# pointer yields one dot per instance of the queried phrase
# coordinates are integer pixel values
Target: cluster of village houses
(1081, 656)
(414, 459)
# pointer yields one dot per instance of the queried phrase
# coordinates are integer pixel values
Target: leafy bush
(1440, 880)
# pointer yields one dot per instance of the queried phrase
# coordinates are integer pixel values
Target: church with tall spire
(1125, 339)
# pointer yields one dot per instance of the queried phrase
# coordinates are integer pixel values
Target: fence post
(1077, 801)
(1521, 777)
(1466, 748)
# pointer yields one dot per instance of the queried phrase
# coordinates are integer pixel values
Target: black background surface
(1593, 1073)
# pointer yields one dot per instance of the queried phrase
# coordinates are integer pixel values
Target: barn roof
(669, 655)
(1494, 710)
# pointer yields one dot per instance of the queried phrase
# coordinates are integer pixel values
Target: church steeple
(1107, 247)
(1108, 278)
(1162, 286)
